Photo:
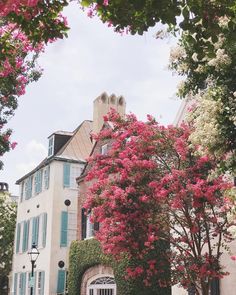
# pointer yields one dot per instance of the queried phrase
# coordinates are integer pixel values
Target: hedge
(86, 254)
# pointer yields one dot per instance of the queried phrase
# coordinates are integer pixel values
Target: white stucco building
(47, 213)
(47, 209)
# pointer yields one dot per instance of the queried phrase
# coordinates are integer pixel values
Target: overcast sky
(93, 59)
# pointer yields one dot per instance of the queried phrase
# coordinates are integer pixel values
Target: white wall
(50, 201)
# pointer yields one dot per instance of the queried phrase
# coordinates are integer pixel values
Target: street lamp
(33, 255)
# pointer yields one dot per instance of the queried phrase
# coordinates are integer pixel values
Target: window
(75, 172)
(44, 229)
(46, 177)
(102, 286)
(22, 284)
(72, 226)
(29, 280)
(70, 173)
(22, 191)
(40, 284)
(104, 149)
(38, 182)
(50, 146)
(28, 187)
(88, 228)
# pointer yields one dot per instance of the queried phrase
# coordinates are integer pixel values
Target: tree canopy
(153, 185)
(207, 36)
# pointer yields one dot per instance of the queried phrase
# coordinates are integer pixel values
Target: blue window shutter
(61, 281)
(44, 233)
(35, 230)
(18, 237)
(66, 175)
(24, 283)
(46, 177)
(28, 188)
(40, 172)
(42, 283)
(25, 236)
(15, 283)
(22, 191)
(36, 183)
(64, 228)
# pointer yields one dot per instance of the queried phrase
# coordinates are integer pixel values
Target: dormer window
(50, 146)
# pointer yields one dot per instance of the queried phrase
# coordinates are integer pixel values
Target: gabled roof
(76, 149)
(87, 166)
(79, 145)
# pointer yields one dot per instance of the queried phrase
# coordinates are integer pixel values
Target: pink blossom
(13, 145)
(233, 258)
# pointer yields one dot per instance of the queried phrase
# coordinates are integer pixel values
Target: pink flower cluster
(15, 6)
(15, 64)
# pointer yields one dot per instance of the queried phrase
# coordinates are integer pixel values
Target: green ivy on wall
(86, 254)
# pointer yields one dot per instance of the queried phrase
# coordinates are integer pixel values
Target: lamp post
(33, 255)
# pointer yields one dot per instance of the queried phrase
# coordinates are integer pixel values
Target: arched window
(102, 286)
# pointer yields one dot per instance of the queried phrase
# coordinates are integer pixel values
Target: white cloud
(33, 153)
(36, 149)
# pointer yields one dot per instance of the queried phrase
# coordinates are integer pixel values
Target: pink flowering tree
(150, 187)
(25, 26)
(18, 67)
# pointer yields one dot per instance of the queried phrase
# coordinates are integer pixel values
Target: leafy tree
(7, 229)
(153, 186)
(210, 82)
(201, 21)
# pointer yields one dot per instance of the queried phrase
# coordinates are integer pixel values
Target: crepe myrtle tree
(25, 27)
(18, 67)
(152, 186)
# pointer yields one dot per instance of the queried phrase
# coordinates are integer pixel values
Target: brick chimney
(102, 105)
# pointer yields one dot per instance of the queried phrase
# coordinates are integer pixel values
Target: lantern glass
(34, 253)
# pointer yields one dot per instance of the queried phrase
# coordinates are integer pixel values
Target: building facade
(98, 279)
(47, 213)
(47, 209)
